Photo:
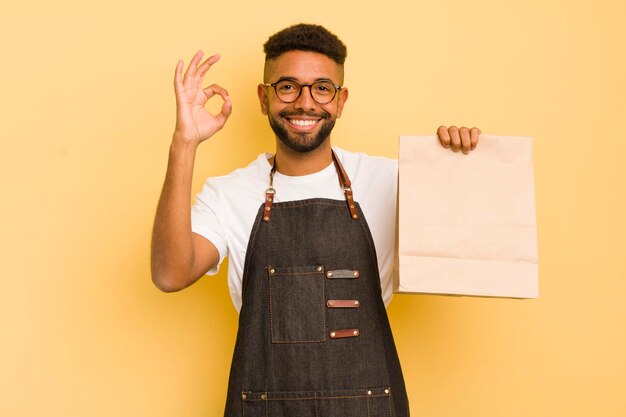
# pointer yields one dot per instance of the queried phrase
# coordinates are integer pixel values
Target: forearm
(172, 245)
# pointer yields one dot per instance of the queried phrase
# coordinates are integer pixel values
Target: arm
(179, 257)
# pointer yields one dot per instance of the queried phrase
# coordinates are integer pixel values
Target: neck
(293, 163)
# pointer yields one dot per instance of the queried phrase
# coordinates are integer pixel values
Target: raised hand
(194, 123)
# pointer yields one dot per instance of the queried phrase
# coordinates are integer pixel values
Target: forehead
(304, 66)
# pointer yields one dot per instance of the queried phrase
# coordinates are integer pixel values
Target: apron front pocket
(297, 304)
(368, 402)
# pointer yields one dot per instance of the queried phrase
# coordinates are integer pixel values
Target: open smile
(303, 124)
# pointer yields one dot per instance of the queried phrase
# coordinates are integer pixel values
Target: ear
(341, 100)
(261, 91)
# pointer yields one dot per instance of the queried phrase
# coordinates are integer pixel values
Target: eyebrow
(288, 78)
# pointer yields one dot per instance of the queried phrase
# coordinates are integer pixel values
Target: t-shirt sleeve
(206, 220)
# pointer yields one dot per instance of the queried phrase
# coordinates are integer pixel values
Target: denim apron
(314, 339)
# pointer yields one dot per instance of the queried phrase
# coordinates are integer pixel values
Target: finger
(204, 67)
(444, 137)
(466, 144)
(474, 133)
(191, 70)
(227, 109)
(178, 77)
(455, 138)
(214, 89)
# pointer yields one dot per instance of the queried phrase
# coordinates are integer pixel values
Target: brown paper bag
(466, 223)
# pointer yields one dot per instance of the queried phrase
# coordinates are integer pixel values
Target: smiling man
(303, 122)
(309, 232)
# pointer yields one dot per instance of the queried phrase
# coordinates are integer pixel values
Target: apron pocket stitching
(291, 323)
(359, 402)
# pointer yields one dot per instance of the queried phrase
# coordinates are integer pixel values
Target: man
(310, 275)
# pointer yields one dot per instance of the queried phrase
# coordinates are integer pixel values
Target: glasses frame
(337, 88)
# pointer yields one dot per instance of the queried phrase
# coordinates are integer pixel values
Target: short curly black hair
(306, 37)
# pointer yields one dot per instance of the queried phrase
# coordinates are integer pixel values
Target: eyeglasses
(288, 91)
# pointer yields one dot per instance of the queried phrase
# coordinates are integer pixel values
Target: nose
(305, 101)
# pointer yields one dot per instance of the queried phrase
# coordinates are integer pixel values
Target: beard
(301, 141)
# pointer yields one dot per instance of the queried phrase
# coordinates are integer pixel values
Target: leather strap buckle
(269, 199)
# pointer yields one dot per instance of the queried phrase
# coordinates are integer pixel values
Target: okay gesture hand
(194, 123)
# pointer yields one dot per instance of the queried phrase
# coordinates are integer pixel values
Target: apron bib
(314, 339)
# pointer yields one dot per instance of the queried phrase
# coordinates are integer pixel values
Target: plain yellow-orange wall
(86, 115)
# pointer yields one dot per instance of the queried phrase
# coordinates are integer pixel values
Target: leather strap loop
(340, 334)
(343, 304)
(343, 273)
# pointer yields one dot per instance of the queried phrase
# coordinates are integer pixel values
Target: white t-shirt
(227, 206)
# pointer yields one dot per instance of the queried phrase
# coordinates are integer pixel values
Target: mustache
(321, 115)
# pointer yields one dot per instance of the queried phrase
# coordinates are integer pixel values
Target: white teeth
(302, 122)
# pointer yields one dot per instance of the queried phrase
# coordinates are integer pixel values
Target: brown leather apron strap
(269, 195)
(344, 182)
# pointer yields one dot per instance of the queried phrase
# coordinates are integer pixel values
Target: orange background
(86, 117)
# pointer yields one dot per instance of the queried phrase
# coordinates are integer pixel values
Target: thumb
(227, 109)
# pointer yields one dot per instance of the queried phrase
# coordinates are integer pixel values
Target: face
(304, 124)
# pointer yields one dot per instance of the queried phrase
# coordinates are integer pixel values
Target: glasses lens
(323, 91)
(287, 90)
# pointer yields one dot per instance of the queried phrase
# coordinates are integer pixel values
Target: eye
(324, 88)
(287, 87)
